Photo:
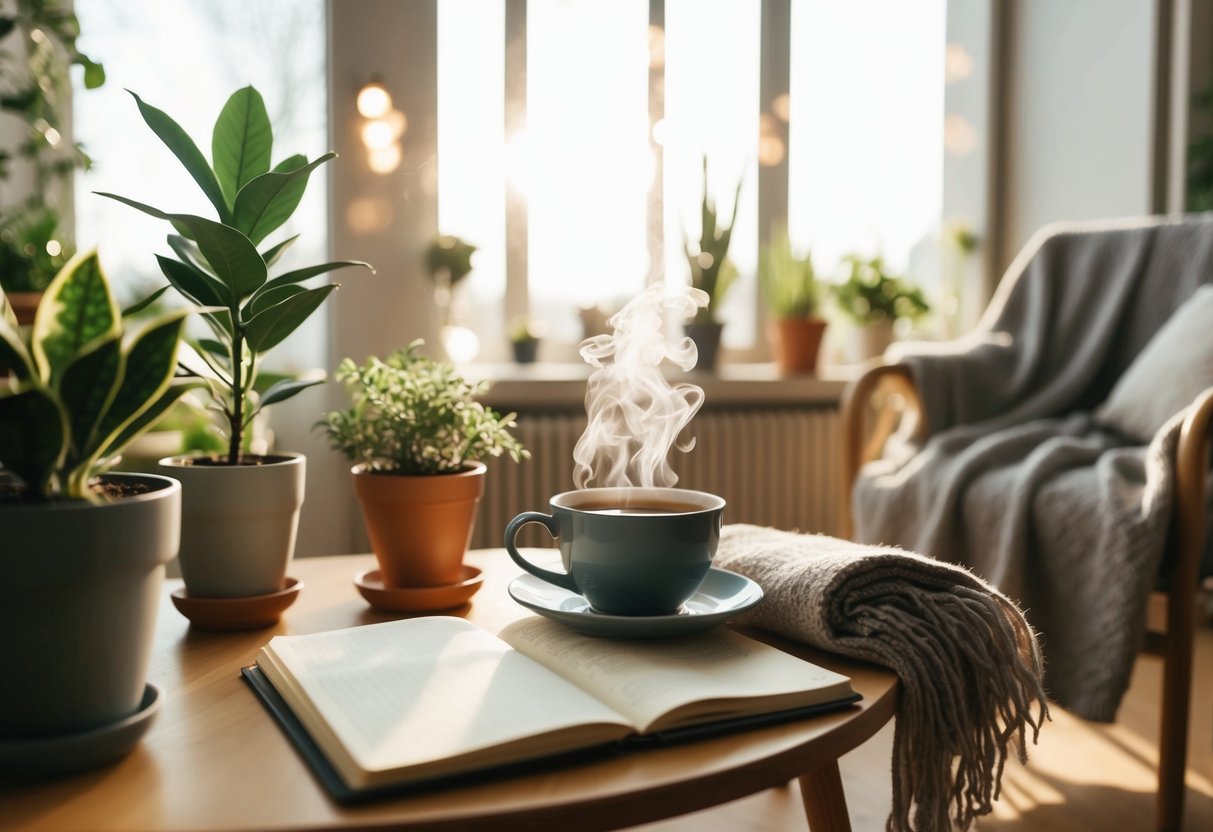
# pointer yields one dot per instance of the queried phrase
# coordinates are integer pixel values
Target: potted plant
(873, 300)
(240, 511)
(793, 295)
(524, 336)
(418, 438)
(84, 551)
(711, 271)
(40, 46)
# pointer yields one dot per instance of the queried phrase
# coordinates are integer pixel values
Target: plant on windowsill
(39, 39)
(525, 336)
(793, 296)
(83, 551)
(711, 271)
(240, 511)
(418, 439)
(874, 300)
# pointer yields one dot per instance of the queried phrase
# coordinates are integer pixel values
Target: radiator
(776, 467)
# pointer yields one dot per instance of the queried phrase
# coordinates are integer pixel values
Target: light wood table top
(216, 760)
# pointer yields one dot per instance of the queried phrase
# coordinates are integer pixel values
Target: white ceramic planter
(868, 341)
(238, 524)
(78, 602)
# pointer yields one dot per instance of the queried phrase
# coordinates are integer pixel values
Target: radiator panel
(775, 467)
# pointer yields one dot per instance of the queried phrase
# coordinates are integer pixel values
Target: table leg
(825, 805)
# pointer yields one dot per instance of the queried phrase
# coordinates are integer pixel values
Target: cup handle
(560, 579)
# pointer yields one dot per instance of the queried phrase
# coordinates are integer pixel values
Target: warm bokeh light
(369, 214)
(385, 159)
(781, 106)
(656, 47)
(958, 64)
(377, 134)
(374, 101)
(959, 135)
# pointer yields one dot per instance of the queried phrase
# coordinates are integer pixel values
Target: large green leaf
(286, 388)
(150, 362)
(149, 417)
(14, 357)
(187, 250)
(194, 283)
(33, 435)
(87, 386)
(8, 315)
(241, 142)
(269, 200)
(139, 306)
(234, 259)
(276, 323)
(183, 147)
(271, 254)
(300, 275)
(264, 300)
(76, 310)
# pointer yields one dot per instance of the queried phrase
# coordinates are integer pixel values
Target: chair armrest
(1191, 471)
(868, 419)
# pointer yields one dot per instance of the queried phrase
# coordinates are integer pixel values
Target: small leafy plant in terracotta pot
(419, 438)
(793, 295)
(873, 299)
(82, 551)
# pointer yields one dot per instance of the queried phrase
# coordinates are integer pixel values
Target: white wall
(1078, 123)
(385, 219)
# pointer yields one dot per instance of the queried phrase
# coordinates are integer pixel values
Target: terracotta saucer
(417, 598)
(247, 613)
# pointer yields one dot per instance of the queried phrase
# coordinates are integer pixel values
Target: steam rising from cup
(635, 415)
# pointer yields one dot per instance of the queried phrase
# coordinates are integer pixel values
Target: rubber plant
(78, 390)
(219, 263)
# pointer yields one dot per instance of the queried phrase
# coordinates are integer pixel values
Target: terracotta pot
(238, 524)
(707, 341)
(25, 305)
(78, 603)
(419, 526)
(797, 342)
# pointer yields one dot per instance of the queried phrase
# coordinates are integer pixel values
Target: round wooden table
(216, 760)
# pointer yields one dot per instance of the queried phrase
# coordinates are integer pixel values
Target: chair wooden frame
(869, 417)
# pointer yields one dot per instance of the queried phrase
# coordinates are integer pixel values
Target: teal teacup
(631, 550)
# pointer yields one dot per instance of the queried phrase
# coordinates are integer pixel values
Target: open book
(425, 698)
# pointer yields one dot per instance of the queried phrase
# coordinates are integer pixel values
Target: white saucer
(722, 595)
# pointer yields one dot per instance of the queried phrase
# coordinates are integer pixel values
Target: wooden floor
(1082, 776)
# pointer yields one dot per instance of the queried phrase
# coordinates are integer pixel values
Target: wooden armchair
(884, 400)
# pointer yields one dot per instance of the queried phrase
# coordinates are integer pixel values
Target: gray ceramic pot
(79, 596)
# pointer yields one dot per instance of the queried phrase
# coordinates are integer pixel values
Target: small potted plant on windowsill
(82, 551)
(418, 438)
(874, 300)
(793, 296)
(240, 511)
(525, 336)
(711, 271)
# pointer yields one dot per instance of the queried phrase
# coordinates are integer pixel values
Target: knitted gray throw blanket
(968, 662)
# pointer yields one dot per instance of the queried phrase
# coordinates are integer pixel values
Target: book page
(412, 692)
(666, 683)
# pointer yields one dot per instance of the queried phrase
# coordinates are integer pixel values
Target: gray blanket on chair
(1017, 480)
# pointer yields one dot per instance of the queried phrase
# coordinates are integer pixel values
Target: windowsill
(551, 386)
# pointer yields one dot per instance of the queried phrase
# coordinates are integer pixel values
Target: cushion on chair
(1167, 375)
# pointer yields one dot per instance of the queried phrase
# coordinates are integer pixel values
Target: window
(864, 157)
(186, 59)
(866, 124)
